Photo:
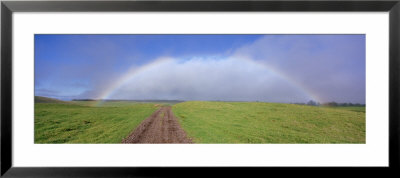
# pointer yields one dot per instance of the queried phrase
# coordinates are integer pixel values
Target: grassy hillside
(253, 122)
(41, 99)
(71, 123)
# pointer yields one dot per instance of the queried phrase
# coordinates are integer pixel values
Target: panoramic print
(199, 88)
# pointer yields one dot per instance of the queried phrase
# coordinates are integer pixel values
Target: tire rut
(161, 127)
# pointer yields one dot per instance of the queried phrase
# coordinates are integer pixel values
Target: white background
(373, 153)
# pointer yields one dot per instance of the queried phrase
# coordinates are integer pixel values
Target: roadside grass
(256, 122)
(350, 108)
(73, 123)
(41, 99)
(106, 104)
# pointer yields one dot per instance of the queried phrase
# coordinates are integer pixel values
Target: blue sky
(272, 68)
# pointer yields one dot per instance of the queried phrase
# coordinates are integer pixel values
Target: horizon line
(88, 99)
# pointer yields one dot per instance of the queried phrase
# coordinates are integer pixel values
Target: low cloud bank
(320, 67)
(229, 79)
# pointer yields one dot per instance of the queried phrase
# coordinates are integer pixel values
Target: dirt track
(161, 127)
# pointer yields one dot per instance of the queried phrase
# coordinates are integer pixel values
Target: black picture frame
(8, 7)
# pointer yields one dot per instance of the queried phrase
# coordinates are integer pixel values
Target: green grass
(41, 99)
(72, 123)
(59, 121)
(350, 108)
(106, 104)
(254, 122)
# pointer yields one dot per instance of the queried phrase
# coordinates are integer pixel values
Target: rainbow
(311, 94)
(126, 77)
(121, 81)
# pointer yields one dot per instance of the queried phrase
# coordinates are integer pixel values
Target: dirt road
(161, 127)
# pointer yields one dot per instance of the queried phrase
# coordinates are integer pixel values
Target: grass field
(59, 121)
(351, 108)
(254, 122)
(72, 122)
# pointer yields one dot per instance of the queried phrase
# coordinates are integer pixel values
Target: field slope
(41, 99)
(65, 122)
(256, 122)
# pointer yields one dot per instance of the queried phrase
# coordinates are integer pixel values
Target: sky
(268, 68)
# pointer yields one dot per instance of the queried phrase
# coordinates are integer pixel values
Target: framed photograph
(142, 88)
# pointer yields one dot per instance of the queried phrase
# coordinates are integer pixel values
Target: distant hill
(41, 99)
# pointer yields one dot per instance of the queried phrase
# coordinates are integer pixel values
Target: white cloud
(233, 79)
(330, 67)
